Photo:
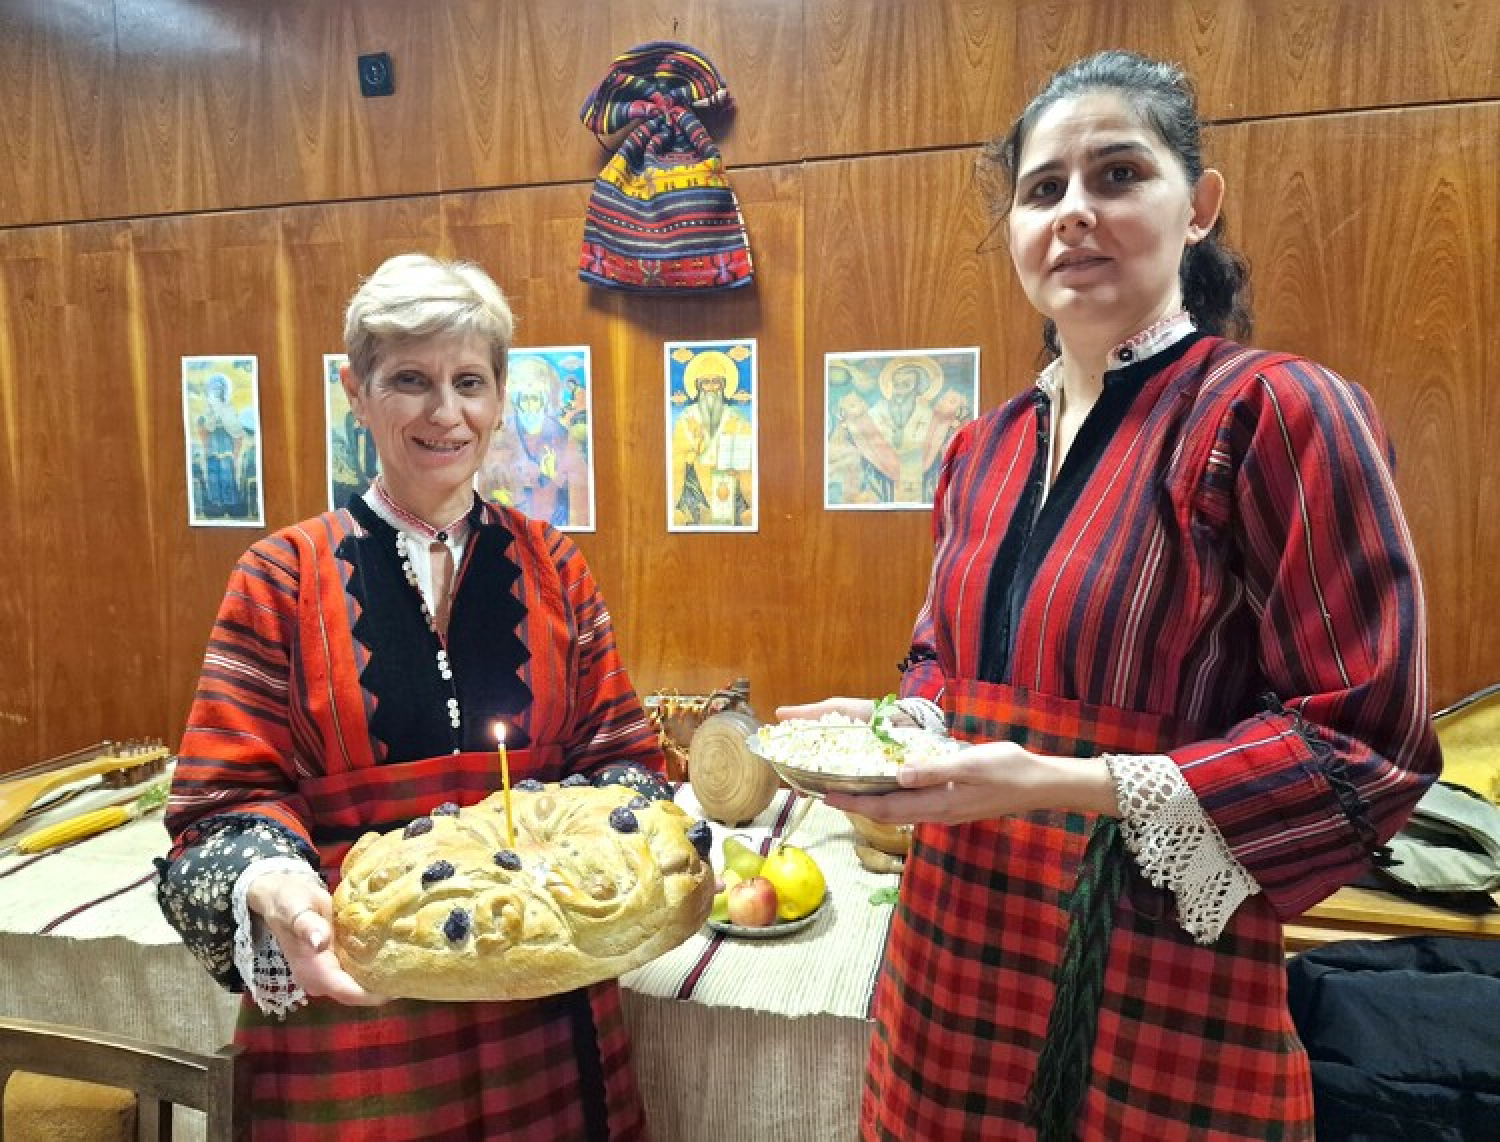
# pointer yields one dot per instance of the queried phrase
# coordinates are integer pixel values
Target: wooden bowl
(892, 839)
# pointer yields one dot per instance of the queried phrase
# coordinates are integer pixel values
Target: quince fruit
(799, 883)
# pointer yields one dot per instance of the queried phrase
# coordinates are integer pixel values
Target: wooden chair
(160, 1077)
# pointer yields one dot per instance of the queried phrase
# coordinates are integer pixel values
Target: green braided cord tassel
(1063, 1067)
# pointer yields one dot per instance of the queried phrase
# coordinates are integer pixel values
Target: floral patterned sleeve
(195, 889)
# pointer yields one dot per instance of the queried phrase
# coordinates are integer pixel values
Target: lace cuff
(257, 955)
(1176, 845)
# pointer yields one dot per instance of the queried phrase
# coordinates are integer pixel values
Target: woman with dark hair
(1175, 610)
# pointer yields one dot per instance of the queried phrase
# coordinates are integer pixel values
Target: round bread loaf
(601, 880)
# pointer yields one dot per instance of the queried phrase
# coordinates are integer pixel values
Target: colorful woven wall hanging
(662, 216)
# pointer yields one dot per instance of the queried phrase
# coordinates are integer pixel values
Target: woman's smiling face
(431, 407)
(1101, 215)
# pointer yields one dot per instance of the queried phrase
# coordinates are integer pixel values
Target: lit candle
(510, 829)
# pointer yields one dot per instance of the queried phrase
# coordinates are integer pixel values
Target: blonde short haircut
(414, 296)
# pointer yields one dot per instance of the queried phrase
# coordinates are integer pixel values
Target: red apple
(752, 903)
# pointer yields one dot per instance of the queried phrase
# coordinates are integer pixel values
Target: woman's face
(431, 407)
(1101, 216)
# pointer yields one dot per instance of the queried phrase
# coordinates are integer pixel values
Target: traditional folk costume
(1218, 588)
(329, 706)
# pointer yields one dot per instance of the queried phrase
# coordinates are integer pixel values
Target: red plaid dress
(282, 729)
(1232, 585)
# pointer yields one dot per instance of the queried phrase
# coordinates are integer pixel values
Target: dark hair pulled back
(1215, 278)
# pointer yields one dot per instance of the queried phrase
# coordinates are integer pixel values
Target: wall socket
(376, 76)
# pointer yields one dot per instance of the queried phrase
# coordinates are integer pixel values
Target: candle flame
(499, 732)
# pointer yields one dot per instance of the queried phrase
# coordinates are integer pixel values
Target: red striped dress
(304, 689)
(1231, 583)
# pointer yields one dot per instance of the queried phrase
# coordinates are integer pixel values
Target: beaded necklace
(434, 536)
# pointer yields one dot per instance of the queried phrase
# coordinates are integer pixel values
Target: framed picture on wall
(541, 460)
(889, 418)
(221, 427)
(712, 433)
(352, 462)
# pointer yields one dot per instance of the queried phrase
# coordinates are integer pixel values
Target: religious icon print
(890, 417)
(541, 459)
(221, 428)
(352, 462)
(712, 433)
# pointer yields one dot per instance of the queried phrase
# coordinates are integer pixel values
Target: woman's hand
(298, 911)
(860, 709)
(982, 782)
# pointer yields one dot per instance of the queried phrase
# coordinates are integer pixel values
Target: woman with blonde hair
(353, 681)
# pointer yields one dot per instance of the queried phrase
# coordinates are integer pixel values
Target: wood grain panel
(900, 255)
(327, 141)
(209, 286)
(516, 76)
(59, 135)
(195, 107)
(1372, 238)
(885, 76)
(29, 295)
(93, 601)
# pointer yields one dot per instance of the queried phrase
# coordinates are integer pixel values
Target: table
(733, 1039)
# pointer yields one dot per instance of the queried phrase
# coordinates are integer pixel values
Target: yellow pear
(741, 858)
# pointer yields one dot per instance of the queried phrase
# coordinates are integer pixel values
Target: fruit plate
(770, 931)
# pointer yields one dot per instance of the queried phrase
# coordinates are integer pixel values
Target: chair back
(161, 1077)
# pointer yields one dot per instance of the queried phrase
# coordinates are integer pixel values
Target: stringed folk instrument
(130, 761)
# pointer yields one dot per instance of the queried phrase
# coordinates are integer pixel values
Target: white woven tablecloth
(734, 1039)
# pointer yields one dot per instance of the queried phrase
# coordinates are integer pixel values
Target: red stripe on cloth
(15, 868)
(84, 907)
(690, 982)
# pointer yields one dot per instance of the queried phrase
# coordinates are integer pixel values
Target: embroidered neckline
(1132, 351)
(453, 532)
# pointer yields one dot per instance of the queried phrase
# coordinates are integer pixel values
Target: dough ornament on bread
(601, 881)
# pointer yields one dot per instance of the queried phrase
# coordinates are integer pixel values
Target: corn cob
(89, 824)
(73, 829)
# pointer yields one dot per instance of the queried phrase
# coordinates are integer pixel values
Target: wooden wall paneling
(515, 77)
(30, 297)
(1372, 240)
(93, 596)
(195, 107)
(329, 142)
(209, 286)
(900, 254)
(883, 76)
(59, 135)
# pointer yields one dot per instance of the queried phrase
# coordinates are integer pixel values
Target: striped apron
(546, 1070)
(1192, 1041)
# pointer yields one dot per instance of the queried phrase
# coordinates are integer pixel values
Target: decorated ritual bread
(600, 881)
